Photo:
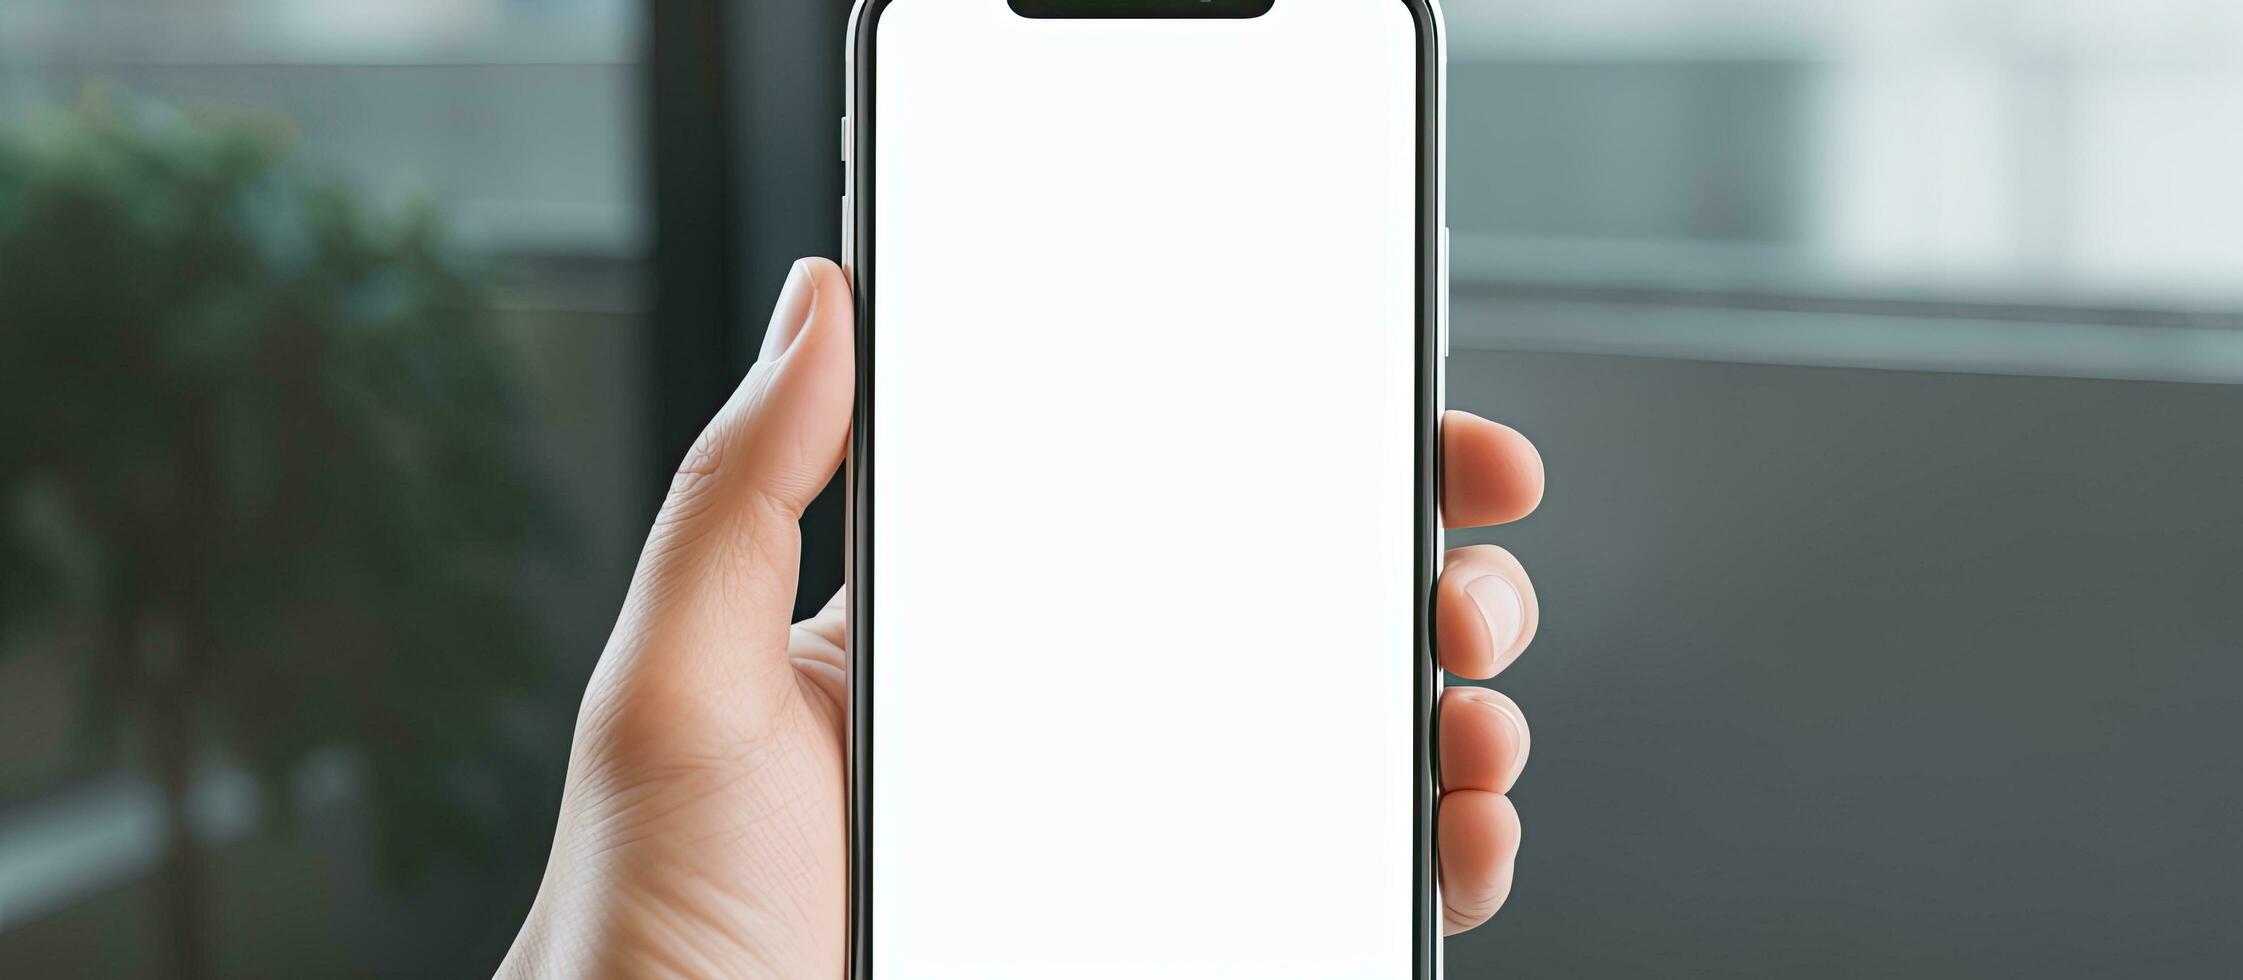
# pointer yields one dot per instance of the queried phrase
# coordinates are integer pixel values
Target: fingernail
(789, 316)
(1501, 609)
(1517, 724)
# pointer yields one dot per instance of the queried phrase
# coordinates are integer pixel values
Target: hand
(703, 831)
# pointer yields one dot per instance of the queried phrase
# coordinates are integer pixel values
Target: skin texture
(703, 830)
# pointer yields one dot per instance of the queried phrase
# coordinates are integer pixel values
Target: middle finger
(1484, 613)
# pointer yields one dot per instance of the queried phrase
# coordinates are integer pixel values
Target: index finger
(1490, 474)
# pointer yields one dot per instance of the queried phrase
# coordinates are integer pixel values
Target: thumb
(722, 557)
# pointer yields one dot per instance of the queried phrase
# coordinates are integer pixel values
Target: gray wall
(1872, 673)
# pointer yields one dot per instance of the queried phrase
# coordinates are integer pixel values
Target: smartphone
(1150, 300)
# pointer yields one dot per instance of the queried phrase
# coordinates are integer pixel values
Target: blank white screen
(1142, 511)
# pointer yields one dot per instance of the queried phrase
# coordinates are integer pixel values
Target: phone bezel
(860, 147)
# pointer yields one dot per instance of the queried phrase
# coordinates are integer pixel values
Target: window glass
(1970, 161)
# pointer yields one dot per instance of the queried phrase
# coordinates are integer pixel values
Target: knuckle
(694, 484)
(1470, 913)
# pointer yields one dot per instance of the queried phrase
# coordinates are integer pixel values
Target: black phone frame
(861, 150)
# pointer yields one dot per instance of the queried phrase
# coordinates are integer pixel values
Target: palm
(717, 829)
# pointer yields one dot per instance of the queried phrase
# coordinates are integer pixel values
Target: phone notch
(1141, 9)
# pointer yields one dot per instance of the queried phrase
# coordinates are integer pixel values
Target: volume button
(848, 140)
(1444, 287)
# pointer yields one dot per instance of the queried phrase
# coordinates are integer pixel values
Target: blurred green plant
(262, 472)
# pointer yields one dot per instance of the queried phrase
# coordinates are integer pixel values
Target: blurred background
(1884, 353)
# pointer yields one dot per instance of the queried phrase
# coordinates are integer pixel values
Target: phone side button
(1443, 314)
